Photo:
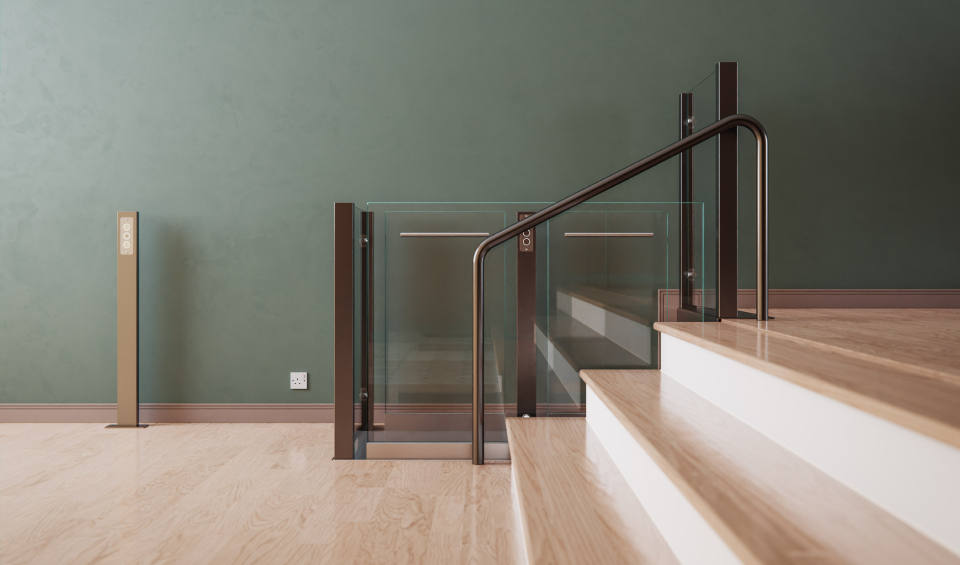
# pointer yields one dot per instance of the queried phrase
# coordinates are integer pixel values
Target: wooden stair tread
(914, 399)
(766, 503)
(574, 505)
(925, 340)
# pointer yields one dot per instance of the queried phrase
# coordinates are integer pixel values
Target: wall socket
(298, 381)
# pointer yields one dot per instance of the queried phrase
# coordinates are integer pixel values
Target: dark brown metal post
(365, 420)
(727, 193)
(526, 320)
(367, 336)
(343, 393)
(688, 272)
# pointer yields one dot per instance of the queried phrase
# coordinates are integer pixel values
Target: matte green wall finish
(233, 126)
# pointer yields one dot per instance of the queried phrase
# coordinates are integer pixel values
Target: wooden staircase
(753, 444)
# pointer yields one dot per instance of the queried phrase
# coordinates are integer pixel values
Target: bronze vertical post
(688, 272)
(343, 393)
(526, 320)
(727, 193)
(128, 318)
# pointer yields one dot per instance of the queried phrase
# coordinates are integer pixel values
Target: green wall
(233, 126)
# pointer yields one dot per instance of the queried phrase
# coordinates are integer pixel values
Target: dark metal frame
(526, 320)
(727, 194)
(366, 322)
(727, 198)
(688, 271)
(573, 200)
(343, 393)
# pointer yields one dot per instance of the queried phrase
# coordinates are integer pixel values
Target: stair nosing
(702, 505)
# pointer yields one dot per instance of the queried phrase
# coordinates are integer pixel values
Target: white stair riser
(626, 333)
(692, 540)
(912, 476)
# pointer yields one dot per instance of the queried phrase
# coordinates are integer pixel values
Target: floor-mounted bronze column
(343, 305)
(128, 321)
(688, 271)
(727, 193)
(526, 320)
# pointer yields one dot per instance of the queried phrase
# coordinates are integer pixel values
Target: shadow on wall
(164, 300)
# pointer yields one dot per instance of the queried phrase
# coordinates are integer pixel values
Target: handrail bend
(738, 120)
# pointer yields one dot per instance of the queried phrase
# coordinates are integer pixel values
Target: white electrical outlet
(298, 381)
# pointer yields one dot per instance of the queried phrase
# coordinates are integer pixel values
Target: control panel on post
(526, 239)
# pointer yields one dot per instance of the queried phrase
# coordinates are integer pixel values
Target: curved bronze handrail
(738, 120)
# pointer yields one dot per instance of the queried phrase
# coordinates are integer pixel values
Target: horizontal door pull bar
(444, 234)
(615, 234)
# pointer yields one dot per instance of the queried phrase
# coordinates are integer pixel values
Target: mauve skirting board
(431, 416)
(169, 413)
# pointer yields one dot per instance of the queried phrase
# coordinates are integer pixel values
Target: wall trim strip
(169, 413)
(157, 413)
(669, 300)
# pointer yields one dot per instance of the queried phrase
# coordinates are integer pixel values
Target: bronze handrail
(737, 120)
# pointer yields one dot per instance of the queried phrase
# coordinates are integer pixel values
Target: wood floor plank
(574, 508)
(923, 400)
(769, 505)
(239, 493)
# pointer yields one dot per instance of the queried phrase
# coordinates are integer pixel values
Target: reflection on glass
(604, 276)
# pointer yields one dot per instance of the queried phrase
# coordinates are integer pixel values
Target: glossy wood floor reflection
(239, 493)
(923, 340)
(575, 506)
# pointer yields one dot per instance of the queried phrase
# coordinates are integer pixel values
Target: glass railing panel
(422, 297)
(610, 278)
(499, 344)
(423, 323)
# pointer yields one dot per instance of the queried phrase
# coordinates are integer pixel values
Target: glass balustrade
(582, 292)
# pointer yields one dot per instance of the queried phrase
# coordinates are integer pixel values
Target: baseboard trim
(169, 413)
(157, 413)
(669, 300)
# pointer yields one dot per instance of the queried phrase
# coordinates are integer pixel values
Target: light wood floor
(239, 493)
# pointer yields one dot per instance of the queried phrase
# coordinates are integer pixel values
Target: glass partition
(599, 277)
(423, 272)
